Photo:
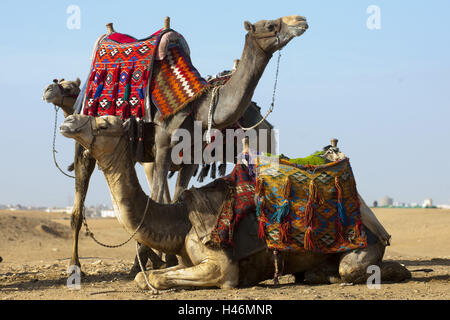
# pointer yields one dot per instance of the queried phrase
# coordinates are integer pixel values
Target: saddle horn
(334, 142)
(110, 28)
(166, 23)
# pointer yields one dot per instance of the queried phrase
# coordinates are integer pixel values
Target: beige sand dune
(36, 246)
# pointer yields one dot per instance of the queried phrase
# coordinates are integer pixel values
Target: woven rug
(240, 203)
(311, 208)
(124, 72)
(176, 82)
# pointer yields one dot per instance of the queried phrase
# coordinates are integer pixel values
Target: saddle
(128, 76)
(312, 208)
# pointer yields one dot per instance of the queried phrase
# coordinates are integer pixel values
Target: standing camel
(231, 100)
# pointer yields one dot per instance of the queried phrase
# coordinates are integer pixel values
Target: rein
(97, 132)
(54, 143)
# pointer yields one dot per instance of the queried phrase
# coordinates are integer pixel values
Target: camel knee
(353, 266)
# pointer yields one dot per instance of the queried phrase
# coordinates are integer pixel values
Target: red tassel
(308, 242)
(339, 230)
(93, 110)
(94, 72)
(284, 231)
(359, 226)
(125, 110)
(102, 75)
(287, 188)
(309, 211)
(262, 224)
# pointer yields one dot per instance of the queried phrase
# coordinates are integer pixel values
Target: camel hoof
(140, 281)
(392, 271)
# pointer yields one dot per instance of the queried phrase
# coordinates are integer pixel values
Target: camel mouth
(68, 131)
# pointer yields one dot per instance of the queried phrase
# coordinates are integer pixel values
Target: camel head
(100, 135)
(56, 91)
(273, 35)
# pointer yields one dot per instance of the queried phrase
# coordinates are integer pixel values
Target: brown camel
(180, 227)
(63, 94)
(231, 100)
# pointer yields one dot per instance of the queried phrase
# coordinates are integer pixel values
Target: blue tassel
(141, 92)
(282, 212)
(98, 92)
(342, 214)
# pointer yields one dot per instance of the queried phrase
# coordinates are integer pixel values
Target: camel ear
(249, 27)
(61, 80)
(55, 80)
(78, 82)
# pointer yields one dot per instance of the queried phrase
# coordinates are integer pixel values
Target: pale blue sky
(385, 94)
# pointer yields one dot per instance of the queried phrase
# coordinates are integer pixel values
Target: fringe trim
(308, 241)
(313, 199)
(340, 205)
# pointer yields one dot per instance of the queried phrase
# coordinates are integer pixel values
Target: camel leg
(84, 166)
(205, 274)
(145, 253)
(184, 176)
(162, 165)
(353, 265)
(149, 168)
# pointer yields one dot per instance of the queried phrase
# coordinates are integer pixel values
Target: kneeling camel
(179, 228)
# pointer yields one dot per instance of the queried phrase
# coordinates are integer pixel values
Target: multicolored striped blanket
(308, 207)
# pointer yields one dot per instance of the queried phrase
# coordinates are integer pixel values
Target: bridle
(65, 93)
(263, 35)
(96, 132)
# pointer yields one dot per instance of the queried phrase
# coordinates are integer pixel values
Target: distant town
(99, 211)
(105, 211)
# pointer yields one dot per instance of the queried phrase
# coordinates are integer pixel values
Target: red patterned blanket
(124, 74)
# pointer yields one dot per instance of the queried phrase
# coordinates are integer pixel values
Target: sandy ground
(35, 248)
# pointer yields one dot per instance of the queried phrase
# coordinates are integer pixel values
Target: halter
(263, 35)
(65, 93)
(95, 131)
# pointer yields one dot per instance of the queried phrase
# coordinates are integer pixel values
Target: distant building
(375, 204)
(427, 203)
(107, 213)
(386, 201)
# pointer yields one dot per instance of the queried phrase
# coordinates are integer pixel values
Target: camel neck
(66, 104)
(164, 227)
(236, 94)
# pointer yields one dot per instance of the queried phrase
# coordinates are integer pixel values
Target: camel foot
(392, 271)
(153, 279)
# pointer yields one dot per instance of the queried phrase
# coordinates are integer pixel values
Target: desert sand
(35, 248)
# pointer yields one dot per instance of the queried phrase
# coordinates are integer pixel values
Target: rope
(54, 143)
(273, 97)
(211, 105)
(91, 234)
(154, 291)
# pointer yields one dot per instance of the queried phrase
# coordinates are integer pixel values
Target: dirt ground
(35, 248)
